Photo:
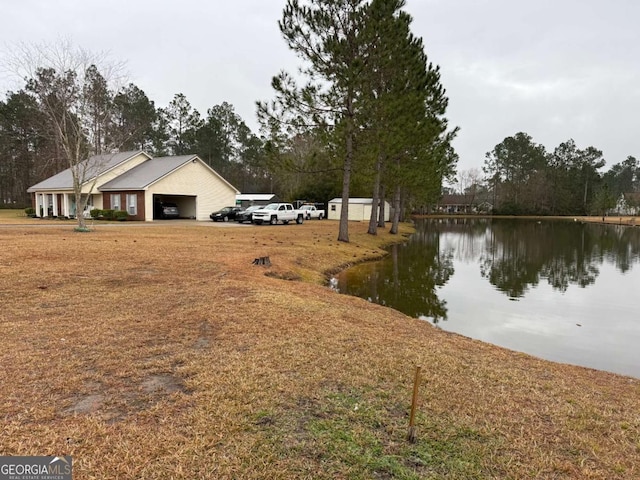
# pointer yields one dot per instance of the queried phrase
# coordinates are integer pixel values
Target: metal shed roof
(364, 201)
(257, 197)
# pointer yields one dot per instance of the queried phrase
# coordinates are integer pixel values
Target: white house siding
(193, 179)
(113, 173)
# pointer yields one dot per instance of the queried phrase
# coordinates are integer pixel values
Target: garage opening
(168, 207)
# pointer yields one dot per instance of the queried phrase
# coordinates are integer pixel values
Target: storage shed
(359, 209)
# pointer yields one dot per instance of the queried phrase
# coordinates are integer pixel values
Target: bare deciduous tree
(74, 89)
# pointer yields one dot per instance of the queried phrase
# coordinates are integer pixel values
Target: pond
(560, 290)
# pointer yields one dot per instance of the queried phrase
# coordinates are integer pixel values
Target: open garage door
(167, 207)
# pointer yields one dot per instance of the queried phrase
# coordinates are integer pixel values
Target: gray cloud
(554, 69)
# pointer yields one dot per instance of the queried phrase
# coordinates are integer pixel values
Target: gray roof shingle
(146, 173)
(96, 165)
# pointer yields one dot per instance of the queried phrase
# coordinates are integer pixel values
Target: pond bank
(168, 348)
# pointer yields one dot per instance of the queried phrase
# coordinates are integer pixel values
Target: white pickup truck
(277, 212)
(310, 211)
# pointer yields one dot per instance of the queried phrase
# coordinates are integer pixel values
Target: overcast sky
(555, 69)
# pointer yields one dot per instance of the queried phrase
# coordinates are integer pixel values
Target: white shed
(359, 209)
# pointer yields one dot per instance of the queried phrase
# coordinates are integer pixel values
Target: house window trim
(132, 204)
(116, 201)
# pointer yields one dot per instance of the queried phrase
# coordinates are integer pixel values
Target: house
(456, 203)
(359, 209)
(247, 199)
(135, 182)
(627, 204)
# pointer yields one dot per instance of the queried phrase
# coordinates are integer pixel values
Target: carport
(186, 204)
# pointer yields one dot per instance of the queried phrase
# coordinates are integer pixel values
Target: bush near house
(109, 214)
(120, 215)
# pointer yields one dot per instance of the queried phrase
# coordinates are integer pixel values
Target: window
(132, 204)
(115, 201)
(333, 208)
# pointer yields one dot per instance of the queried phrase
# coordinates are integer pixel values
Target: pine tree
(326, 36)
(405, 105)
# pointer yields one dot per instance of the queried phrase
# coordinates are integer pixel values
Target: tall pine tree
(325, 34)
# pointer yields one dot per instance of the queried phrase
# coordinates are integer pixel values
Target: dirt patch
(162, 384)
(86, 405)
(290, 276)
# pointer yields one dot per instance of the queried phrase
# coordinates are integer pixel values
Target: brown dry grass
(162, 352)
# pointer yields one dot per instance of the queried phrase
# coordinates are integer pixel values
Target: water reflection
(575, 286)
(518, 255)
(412, 270)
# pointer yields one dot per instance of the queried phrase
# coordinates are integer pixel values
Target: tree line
(522, 177)
(30, 150)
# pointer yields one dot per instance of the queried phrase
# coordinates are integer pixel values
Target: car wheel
(225, 219)
(300, 219)
(320, 217)
(274, 220)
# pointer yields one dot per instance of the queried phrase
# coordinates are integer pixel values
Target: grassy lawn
(17, 216)
(8, 215)
(163, 352)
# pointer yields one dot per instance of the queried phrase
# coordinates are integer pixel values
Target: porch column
(40, 204)
(65, 205)
(54, 197)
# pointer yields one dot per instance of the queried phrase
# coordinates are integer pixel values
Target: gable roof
(143, 175)
(137, 178)
(96, 165)
(455, 199)
(147, 173)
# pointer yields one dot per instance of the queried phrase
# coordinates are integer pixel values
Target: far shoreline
(625, 220)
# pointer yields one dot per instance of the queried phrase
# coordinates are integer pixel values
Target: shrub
(120, 215)
(30, 212)
(107, 214)
(95, 213)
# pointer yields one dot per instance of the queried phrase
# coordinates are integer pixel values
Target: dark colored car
(246, 215)
(167, 210)
(226, 214)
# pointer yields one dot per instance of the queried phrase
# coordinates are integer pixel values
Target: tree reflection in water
(513, 255)
(519, 254)
(407, 279)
